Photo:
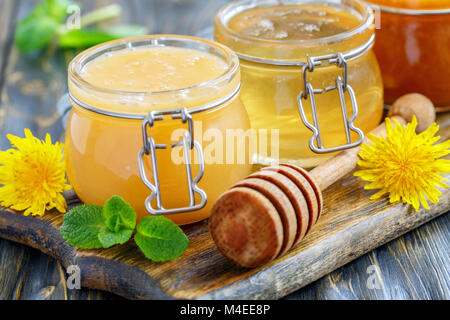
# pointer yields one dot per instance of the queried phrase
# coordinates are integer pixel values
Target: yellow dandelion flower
(405, 164)
(33, 175)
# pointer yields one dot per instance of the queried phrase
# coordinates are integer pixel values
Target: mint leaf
(37, 29)
(55, 9)
(119, 214)
(109, 238)
(84, 38)
(160, 239)
(34, 33)
(113, 223)
(82, 225)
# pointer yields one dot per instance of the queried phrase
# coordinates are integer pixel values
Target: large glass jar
(413, 48)
(138, 144)
(281, 43)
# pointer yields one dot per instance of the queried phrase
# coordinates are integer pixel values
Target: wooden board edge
(274, 281)
(96, 272)
(281, 278)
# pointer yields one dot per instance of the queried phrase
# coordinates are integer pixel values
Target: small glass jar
(155, 149)
(413, 48)
(343, 79)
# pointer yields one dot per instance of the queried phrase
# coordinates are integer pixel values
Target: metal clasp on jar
(340, 60)
(187, 143)
(342, 86)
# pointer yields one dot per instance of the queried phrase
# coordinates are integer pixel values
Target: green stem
(102, 14)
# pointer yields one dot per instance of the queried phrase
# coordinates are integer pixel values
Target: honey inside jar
(300, 22)
(273, 41)
(113, 88)
(153, 69)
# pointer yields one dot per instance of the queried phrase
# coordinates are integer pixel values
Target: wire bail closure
(149, 148)
(342, 86)
(187, 143)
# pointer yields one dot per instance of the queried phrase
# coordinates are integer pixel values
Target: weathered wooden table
(415, 266)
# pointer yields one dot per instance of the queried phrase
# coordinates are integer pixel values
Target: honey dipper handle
(344, 162)
(402, 110)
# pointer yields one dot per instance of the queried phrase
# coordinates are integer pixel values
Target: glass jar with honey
(148, 120)
(413, 48)
(308, 71)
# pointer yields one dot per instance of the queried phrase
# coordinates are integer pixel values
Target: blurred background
(33, 78)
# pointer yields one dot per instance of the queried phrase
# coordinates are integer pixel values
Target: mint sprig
(45, 25)
(94, 227)
(38, 28)
(119, 214)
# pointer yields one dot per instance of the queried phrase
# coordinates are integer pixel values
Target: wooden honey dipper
(271, 211)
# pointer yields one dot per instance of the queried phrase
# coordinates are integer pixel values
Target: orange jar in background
(413, 48)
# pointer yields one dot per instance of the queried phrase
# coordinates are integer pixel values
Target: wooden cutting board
(351, 225)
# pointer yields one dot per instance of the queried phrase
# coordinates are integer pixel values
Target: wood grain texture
(8, 11)
(26, 272)
(350, 226)
(406, 268)
(32, 85)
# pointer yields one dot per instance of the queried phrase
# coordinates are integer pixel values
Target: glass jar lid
(137, 104)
